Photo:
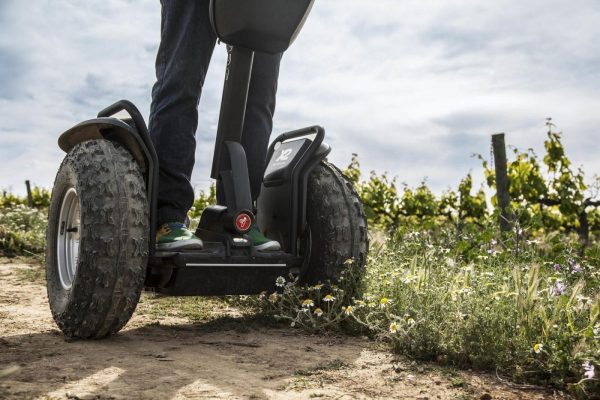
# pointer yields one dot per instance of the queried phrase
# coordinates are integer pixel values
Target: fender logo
(285, 154)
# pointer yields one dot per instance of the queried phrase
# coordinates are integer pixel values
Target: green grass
(191, 308)
(487, 310)
(330, 366)
(22, 231)
(33, 272)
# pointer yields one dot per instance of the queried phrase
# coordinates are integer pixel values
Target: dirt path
(172, 358)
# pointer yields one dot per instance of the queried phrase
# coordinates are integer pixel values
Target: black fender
(131, 133)
(112, 129)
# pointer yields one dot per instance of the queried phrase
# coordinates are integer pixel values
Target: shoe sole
(269, 246)
(198, 245)
(181, 245)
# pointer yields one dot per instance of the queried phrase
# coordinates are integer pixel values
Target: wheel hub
(67, 242)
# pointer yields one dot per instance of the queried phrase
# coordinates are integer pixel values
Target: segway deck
(217, 270)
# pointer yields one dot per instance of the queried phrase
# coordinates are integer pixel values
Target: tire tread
(114, 240)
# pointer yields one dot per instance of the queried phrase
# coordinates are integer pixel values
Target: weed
(22, 231)
(334, 365)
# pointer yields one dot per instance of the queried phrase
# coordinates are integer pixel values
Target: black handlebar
(129, 107)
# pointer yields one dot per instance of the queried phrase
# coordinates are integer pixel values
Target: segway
(102, 219)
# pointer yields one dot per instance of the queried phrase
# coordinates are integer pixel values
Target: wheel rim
(67, 243)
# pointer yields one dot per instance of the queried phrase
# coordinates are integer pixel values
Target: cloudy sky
(414, 87)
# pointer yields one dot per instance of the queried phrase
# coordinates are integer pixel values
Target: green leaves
(556, 198)
(386, 208)
(202, 201)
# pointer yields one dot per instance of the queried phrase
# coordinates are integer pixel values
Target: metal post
(29, 196)
(502, 183)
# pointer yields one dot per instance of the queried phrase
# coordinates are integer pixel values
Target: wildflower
(348, 310)
(589, 369)
(537, 348)
(575, 268)
(328, 298)
(410, 321)
(307, 303)
(273, 297)
(359, 303)
(349, 261)
(384, 302)
(280, 281)
(318, 312)
(583, 299)
(556, 267)
(596, 329)
(393, 327)
(559, 288)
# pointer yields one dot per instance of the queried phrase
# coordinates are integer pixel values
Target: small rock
(398, 367)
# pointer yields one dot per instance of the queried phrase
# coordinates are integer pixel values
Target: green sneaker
(260, 242)
(176, 236)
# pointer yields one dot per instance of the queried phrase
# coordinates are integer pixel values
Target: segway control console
(103, 216)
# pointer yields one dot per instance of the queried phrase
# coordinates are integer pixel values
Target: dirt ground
(164, 357)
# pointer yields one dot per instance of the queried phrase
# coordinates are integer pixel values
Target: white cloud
(414, 87)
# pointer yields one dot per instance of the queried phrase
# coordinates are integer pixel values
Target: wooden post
(29, 197)
(502, 184)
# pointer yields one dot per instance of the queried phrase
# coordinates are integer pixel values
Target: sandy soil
(176, 359)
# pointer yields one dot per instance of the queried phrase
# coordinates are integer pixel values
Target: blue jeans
(186, 47)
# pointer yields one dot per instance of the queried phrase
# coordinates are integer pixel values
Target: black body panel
(268, 26)
(282, 202)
